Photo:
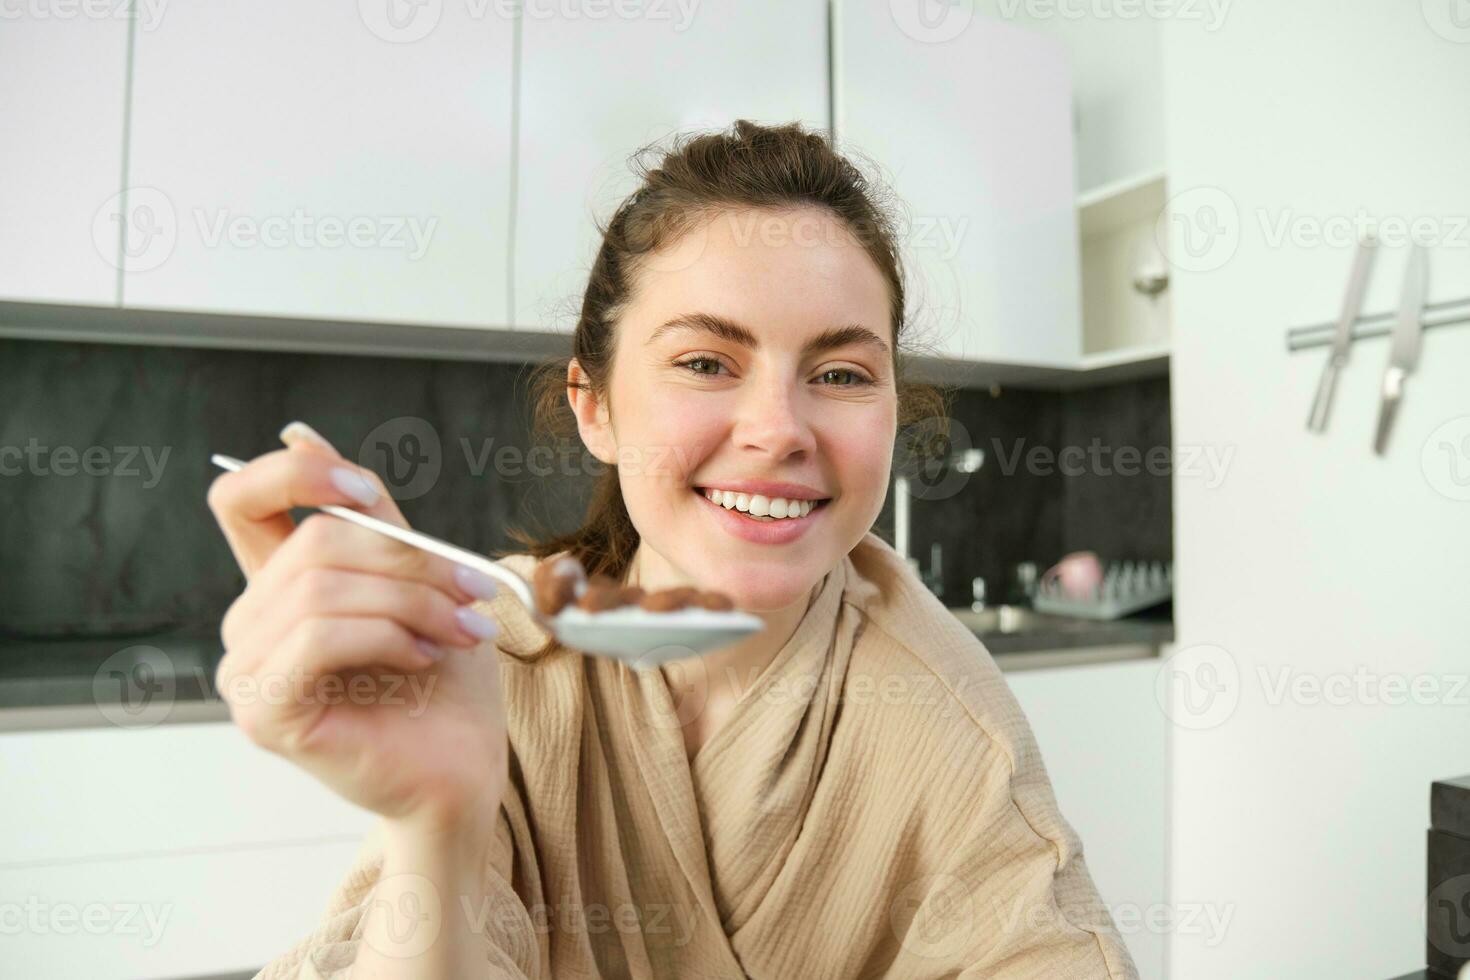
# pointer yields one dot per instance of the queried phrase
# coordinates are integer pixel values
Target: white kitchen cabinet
(970, 120)
(62, 83)
(324, 160)
(1104, 740)
(183, 826)
(594, 89)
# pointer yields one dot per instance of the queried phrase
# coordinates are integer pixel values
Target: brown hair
(750, 166)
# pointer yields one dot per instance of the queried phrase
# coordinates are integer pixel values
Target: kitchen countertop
(1151, 626)
(168, 677)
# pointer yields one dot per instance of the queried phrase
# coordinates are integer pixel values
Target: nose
(770, 419)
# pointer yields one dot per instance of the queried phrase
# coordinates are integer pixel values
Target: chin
(763, 586)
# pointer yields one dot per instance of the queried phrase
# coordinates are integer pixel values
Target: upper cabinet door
(62, 84)
(596, 89)
(336, 160)
(971, 120)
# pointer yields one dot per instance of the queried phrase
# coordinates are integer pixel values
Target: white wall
(1306, 821)
(1115, 56)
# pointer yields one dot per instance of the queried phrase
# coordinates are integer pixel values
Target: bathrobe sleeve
(514, 948)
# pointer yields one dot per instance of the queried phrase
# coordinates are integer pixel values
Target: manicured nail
(300, 430)
(430, 650)
(476, 624)
(475, 582)
(355, 485)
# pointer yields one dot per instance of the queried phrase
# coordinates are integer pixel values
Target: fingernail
(300, 430)
(430, 650)
(475, 623)
(475, 582)
(355, 485)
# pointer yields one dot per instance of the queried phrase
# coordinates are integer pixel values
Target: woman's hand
(355, 656)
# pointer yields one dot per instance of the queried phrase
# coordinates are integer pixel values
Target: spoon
(639, 638)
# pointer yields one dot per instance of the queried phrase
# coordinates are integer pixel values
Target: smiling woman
(852, 792)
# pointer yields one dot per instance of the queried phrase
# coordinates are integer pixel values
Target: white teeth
(758, 505)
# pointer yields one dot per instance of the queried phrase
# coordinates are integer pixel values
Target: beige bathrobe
(874, 806)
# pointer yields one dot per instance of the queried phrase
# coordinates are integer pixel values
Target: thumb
(300, 437)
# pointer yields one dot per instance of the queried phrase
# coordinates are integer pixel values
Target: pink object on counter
(1079, 574)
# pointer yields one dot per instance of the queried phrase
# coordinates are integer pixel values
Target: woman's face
(755, 350)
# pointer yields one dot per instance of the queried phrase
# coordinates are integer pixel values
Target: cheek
(674, 435)
(862, 455)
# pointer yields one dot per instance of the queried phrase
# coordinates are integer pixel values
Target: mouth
(767, 510)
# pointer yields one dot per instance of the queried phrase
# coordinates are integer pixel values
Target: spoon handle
(418, 539)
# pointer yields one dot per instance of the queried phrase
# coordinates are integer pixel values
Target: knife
(1342, 341)
(1403, 353)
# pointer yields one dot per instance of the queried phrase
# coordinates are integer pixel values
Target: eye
(857, 379)
(697, 364)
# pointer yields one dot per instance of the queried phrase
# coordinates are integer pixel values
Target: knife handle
(1393, 393)
(1322, 403)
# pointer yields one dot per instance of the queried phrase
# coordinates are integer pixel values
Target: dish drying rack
(1126, 587)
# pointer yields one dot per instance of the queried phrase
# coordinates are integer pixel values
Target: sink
(1003, 619)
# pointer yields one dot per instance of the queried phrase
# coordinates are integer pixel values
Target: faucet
(966, 461)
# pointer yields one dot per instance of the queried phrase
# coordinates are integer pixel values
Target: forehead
(789, 272)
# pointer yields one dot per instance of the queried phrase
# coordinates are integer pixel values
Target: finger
(286, 680)
(330, 592)
(301, 437)
(252, 506)
(328, 541)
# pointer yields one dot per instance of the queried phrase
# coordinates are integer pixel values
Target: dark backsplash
(104, 468)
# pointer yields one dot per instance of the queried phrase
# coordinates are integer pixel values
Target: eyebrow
(735, 333)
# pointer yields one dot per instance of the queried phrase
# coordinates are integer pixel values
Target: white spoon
(631, 634)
